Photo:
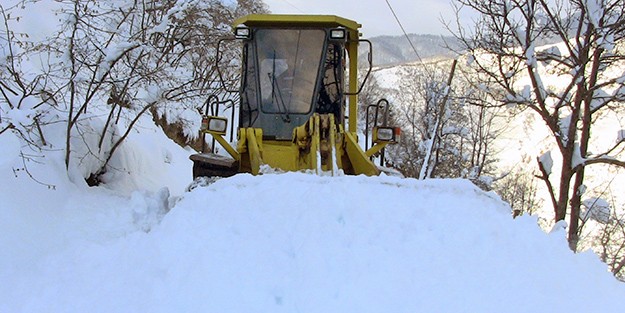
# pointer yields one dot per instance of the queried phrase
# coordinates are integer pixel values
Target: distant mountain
(391, 50)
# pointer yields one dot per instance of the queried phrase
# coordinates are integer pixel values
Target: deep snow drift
(302, 243)
(289, 242)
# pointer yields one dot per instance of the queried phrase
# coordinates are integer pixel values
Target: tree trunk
(565, 185)
(576, 201)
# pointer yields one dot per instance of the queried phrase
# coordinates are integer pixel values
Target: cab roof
(284, 20)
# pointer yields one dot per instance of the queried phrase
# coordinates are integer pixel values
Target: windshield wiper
(279, 100)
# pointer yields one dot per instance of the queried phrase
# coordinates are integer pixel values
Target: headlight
(242, 33)
(337, 33)
(214, 124)
(386, 134)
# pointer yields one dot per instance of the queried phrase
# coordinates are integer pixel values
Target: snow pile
(11, 149)
(302, 243)
(42, 212)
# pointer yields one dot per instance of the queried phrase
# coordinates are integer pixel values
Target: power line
(426, 68)
(404, 31)
(293, 6)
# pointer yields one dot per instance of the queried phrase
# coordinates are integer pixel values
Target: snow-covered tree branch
(559, 59)
(106, 63)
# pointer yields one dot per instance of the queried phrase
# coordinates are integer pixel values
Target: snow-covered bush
(79, 83)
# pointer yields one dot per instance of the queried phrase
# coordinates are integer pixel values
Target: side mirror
(214, 125)
(386, 134)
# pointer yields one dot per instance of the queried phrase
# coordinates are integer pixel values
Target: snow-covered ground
(288, 242)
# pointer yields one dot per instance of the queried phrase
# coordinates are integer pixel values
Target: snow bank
(303, 243)
(11, 147)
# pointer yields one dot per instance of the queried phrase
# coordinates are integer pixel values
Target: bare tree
(519, 189)
(610, 243)
(26, 98)
(429, 123)
(110, 63)
(503, 47)
(444, 132)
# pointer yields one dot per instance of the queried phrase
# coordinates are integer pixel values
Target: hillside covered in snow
(394, 50)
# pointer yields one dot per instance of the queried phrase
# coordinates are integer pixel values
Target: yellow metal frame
(320, 144)
(291, 20)
(317, 145)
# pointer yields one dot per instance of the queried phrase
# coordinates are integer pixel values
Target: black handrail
(382, 103)
(212, 104)
(217, 59)
(370, 59)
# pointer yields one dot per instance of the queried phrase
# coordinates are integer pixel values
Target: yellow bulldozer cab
(298, 105)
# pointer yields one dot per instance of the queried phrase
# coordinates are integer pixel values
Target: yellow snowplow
(297, 98)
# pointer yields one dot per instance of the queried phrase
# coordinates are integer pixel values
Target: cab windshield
(288, 61)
